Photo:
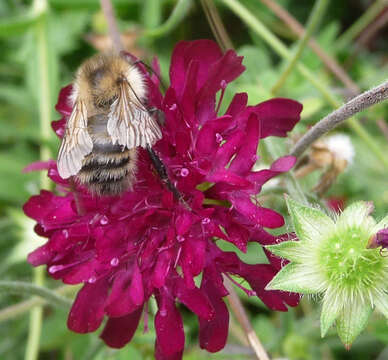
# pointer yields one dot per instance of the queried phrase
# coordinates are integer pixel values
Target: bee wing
(129, 123)
(76, 143)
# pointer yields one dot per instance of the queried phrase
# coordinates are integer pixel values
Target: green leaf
(330, 310)
(286, 249)
(297, 278)
(309, 224)
(381, 303)
(18, 24)
(355, 214)
(352, 320)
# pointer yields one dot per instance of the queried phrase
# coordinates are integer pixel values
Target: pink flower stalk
(126, 249)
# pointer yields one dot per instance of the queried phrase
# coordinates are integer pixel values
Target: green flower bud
(332, 259)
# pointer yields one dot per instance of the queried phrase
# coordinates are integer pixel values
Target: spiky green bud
(332, 259)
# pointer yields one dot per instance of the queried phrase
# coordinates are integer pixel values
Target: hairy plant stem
(13, 311)
(40, 7)
(113, 29)
(350, 34)
(282, 50)
(21, 287)
(357, 104)
(242, 317)
(216, 24)
(315, 17)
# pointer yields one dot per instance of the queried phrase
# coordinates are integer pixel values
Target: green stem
(363, 21)
(13, 311)
(312, 23)
(25, 288)
(41, 7)
(152, 12)
(284, 52)
(177, 15)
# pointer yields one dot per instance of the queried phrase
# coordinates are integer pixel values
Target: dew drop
(184, 172)
(223, 84)
(219, 138)
(92, 280)
(173, 107)
(104, 220)
(180, 238)
(65, 233)
(114, 261)
(205, 221)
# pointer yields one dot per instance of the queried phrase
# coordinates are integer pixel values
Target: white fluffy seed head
(341, 146)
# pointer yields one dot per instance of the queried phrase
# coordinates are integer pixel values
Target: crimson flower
(126, 249)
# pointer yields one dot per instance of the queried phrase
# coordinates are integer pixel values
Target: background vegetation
(43, 42)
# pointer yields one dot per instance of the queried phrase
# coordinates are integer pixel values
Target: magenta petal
(209, 137)
(278, 116)
(229, 177)
(41, 255)
(169, 328)
(246, 156)
(257, 214)
(196, 300)
(258, 276)
(227, 150)
(119, 331)
(63, 106)
(238, 104)
(213, 333)
(161, 269)
(206, 52)
(59, 127)
(38, 166)
(279, 166)
(119, 303)
(159, 355)
(87, 311)
(136, 291)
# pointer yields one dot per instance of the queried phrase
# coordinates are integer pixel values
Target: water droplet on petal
(114, 261)
(65, 233)
(223, 84)
(219, 137)
(92, 280)
(184, 172)
(205, 221)
(104, 220)
(180, 238)
(173, 107)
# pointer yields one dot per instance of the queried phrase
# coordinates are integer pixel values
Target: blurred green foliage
(293, 335)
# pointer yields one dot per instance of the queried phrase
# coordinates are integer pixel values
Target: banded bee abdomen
(109, 169)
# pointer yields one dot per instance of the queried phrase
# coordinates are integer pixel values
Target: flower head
(145, 242)
(333, 258)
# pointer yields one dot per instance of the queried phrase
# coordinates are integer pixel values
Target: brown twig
(357, 104)
(299, 30)
(373, 28)
(242, 317)
(113, 29)
(216, 24)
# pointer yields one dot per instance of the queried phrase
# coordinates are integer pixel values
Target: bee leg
(162, 172)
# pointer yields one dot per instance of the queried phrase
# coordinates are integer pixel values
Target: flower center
(347, 262)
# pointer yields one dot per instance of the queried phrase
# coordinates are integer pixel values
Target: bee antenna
(150, 69)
